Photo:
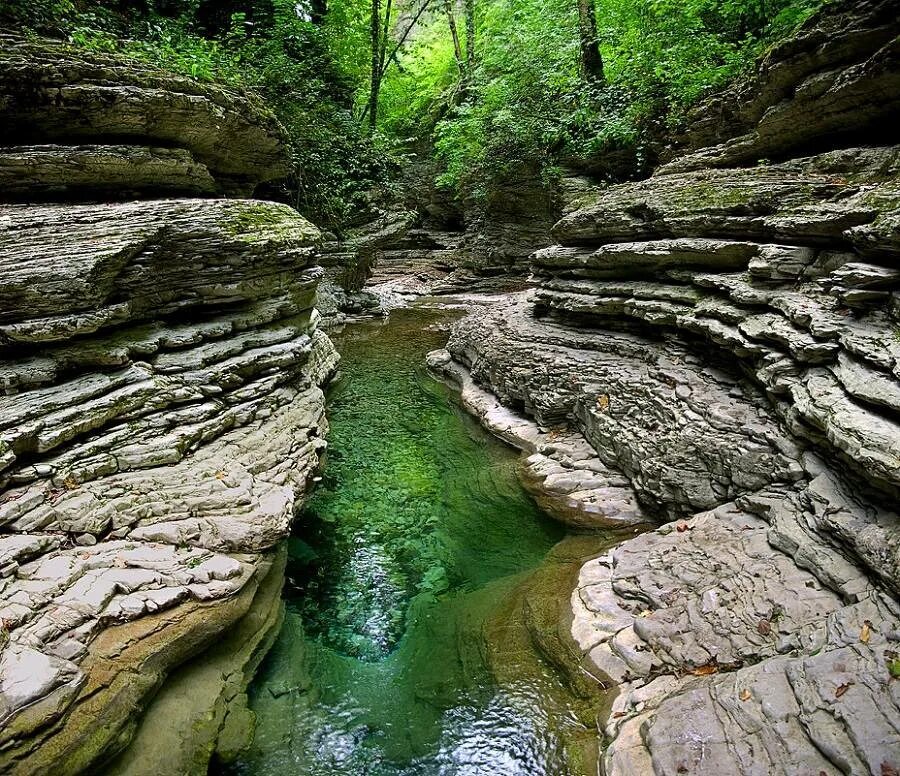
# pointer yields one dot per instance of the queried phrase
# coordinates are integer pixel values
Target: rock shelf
(161, 412)
(725, 338)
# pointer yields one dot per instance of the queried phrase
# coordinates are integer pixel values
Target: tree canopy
(492, 86)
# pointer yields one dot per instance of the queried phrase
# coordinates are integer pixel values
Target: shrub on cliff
(274, 47)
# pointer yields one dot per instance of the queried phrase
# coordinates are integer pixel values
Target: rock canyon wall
(161, 410)
(717, 348)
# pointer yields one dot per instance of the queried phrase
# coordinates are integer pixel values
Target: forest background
(483, 90)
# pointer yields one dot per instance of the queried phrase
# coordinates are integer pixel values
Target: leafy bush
(527, 106)
(270, 46)
(524, 107)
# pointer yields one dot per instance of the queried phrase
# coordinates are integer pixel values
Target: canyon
(700, 369)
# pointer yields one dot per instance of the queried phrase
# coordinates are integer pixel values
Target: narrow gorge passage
(449, 388)
(401, 573)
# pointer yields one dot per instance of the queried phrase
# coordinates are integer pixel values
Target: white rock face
(161, 407)
(724, 339)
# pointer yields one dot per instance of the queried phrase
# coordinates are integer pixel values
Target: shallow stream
(405, 647)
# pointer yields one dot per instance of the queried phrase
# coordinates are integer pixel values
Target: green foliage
(526, 107)
(523, 108)
(303, 70)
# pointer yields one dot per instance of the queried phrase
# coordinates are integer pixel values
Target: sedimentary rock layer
(37, 173)
(835, 81)
(161, 411)
(52, 93)
(728, 340)
(163, 414)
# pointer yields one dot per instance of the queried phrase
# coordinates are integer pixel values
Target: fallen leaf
(220, 475)
(71, 483)
(842, 689)
(865, 632)
(706, 670)
(681, 527)
(618, 714)
(764, 627)
(894, 668)
(889, 769)
(745, 695)
(603, 403)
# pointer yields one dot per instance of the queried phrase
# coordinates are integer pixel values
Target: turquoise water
(402, 577)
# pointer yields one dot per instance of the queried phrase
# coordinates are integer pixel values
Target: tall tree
(454, 33)
(375, 84)
(381, 59)
(470, 35)
(591, 59)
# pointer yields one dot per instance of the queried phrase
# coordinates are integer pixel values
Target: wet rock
(558, 467)
(350, 261)
(724, 337)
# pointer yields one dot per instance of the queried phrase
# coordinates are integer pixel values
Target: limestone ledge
(558, 466)
(40, 172)
(838, 76)
(686, 438)
(722, 665)
(163, 413)
(727, 341)
(90, 97)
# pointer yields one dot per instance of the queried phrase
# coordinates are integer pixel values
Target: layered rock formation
(482, 247)
(349, 262)
(162, 411)
(726, 339)
(55, 94)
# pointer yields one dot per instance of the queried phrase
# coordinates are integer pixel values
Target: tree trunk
(375, 86)
(591, 60)
(385, 32)
(385, 59)
(457, 48)
(318, 9)
(470, 34)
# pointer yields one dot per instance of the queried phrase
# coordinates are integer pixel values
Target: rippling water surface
(399, 655)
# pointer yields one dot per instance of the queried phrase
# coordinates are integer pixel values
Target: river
(405, 647)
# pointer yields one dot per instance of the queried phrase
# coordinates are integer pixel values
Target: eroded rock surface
(726, 340)
(161, 412)
(54, 94)
(834, 80)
